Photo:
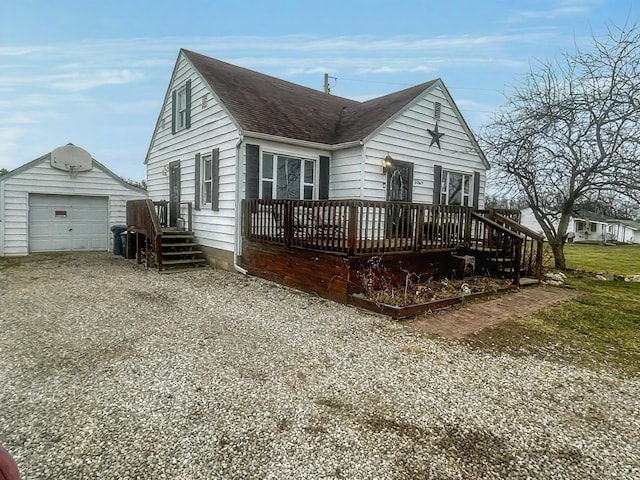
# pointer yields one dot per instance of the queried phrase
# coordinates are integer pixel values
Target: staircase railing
(495, 241)
(532, 245)
(143, 219)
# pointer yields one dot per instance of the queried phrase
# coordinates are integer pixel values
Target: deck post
(518, 255)
(467, 228)
(158, 245)
(539, 256)
(419, 228)
(288, 223)
(352, 229)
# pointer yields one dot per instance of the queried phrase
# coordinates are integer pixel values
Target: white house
(587, 226)
(226, 133)
(62, 201)
(626, 231)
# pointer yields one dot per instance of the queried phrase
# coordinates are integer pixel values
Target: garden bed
(416, 299)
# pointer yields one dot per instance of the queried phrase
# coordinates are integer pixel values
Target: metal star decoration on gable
(435, 136)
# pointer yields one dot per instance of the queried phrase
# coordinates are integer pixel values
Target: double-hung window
(455, 189)
(285, 177)
(181, 109)
(206, 179)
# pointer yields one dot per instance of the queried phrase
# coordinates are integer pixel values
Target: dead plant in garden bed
(383, 288)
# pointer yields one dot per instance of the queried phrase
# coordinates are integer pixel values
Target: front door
(174, 193)
(399, 189)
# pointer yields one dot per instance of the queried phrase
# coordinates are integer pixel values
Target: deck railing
(497, 246)
(356, 226)
(532, 245)
(145, 219)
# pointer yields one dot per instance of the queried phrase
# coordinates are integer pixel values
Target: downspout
(363, 164)
(238, 234)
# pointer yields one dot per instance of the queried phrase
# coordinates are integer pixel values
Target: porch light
(387, 163)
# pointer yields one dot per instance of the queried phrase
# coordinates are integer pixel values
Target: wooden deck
(326, 247)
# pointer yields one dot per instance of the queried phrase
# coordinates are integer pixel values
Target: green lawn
(618, 259)
(600, 329)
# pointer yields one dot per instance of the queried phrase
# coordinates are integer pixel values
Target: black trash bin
(117, 238)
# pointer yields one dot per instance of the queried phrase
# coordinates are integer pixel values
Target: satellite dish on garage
(71, 159)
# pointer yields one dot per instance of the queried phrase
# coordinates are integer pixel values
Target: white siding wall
(210, 128)
(407, 139)
(346, 173)
(42, 178)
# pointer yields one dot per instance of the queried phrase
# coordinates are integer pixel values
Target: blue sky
(94, 73)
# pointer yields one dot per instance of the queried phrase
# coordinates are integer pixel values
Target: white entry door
(67, 223)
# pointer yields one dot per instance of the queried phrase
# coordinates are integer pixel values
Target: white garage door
(67, 223)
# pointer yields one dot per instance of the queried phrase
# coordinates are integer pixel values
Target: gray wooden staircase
(180, 252)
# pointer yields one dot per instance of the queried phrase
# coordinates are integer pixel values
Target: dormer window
(181, 108)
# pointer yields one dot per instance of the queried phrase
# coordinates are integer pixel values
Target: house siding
(41, 178)
(406, 139)
(211, 127)
(346, 174)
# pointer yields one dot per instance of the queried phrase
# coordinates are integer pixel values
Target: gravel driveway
(108, 370)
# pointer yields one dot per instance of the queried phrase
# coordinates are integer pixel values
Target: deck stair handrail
(532, 248)
(511, 213)
(497, 244)
(142, 218)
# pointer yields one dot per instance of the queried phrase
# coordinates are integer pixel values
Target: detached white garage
(62, 201)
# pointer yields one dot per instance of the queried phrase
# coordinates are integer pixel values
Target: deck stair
(180, 252)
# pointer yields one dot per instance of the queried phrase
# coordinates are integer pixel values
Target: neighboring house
(62, 201)
(586, 226)
(626, 231)
(226, 133)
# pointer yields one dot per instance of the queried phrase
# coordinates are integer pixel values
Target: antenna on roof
(327, 88)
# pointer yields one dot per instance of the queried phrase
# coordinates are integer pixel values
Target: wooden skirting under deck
(336, 276)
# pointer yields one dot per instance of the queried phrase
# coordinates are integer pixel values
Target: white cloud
(11, 139)
(390, 69)
(23, 51)
(86, 81)
(563, 8)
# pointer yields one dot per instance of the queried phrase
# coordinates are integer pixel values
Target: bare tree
(570, 133)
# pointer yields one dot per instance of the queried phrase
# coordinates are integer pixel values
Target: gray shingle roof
(268, 105)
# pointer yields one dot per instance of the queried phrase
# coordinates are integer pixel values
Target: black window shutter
(253, 172)
(173, 112)
(188, 113)
(215, 179)
(197, 194)
(323, 181)
(476, 189)
(410, 183)
(437, 183)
